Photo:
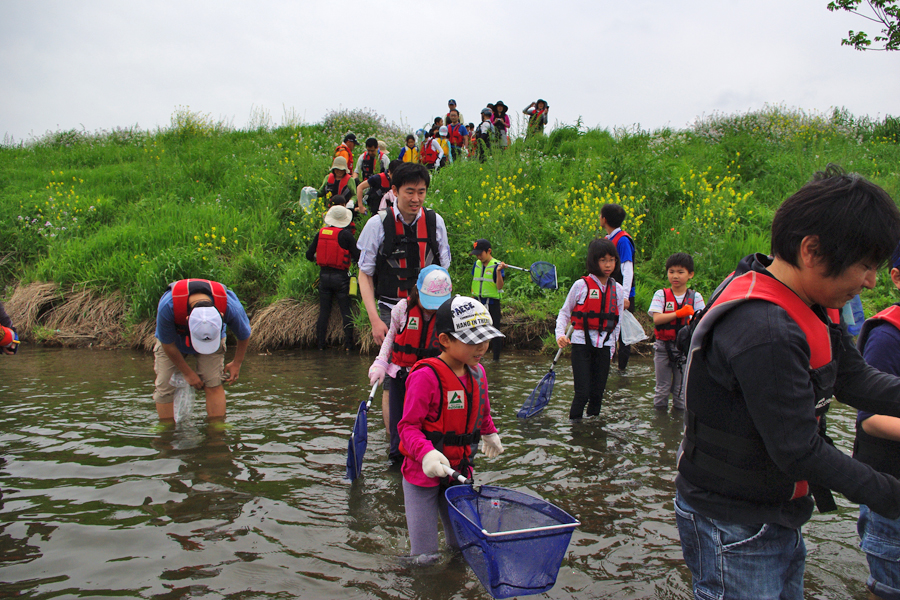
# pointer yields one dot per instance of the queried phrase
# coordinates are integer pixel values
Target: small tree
(884, 12)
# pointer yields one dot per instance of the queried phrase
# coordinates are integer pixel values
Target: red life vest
(416, 340)
(404, 252)
(341, 184)
(455, 137)
(371, 163)
(429, 154)
(329, 252)
(889, 315)
(599, 311)
(752, 286)
(181, 292)
(460, 413)
(668, 331)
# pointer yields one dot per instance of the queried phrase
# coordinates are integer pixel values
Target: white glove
(431, 464)
(376, 374)
(490, 445)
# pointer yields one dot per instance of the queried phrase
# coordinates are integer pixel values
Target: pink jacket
(422, 401)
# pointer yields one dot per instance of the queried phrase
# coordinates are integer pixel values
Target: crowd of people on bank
(752, 371)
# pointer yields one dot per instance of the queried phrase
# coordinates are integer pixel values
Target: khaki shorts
(210, 368)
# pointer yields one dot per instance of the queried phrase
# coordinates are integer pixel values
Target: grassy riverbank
(116, 215)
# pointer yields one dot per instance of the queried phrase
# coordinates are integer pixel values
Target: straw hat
(338, 216)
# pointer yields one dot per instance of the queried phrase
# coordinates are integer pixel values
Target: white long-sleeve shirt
(576, 296)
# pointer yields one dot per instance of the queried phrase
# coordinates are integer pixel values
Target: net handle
(532, 530)
(457, 475)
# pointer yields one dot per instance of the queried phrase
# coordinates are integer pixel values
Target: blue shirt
(882, 351)
(235, 317)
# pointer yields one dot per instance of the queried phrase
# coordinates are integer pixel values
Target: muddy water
(98, 500)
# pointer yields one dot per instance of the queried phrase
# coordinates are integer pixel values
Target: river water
(99, 500)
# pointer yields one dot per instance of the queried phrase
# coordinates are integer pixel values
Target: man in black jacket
(764, 363)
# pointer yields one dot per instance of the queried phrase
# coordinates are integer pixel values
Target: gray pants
(423, 506)
(668, 378)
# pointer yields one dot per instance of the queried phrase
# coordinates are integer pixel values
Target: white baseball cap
(205, 325)
(466, 319)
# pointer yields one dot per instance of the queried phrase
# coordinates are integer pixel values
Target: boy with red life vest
(457, 136)
(878, 445)
(374, 193)
(410, 338)
(671, 309)
(447, 411)
(611, 218)
(592, 307)
(338, 187)
(372, 161)
(765, 360)
(333, 248)
(190, 320)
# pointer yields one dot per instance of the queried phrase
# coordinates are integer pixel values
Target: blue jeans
(740, 562)
(880, 540)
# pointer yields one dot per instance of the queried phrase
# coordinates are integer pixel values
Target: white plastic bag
(307, 197)
(184, 397)
(632, 332)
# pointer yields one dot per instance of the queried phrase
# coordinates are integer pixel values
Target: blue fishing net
(515, 543)
(539, 397)
(544, 275)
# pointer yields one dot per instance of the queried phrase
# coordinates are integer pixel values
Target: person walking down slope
(338, 187)
(345, 149)
(333, 248)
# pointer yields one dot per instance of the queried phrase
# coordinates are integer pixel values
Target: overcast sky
(102, 64)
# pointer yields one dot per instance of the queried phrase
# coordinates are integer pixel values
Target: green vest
(483, 285)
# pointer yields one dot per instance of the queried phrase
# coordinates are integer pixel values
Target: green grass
(132, 210)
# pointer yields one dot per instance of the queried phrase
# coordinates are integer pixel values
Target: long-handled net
(542, 273)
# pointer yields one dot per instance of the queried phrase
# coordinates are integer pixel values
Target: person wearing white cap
(411, 337)
(446, 412)
(338, 187)
(189, 321)
(333, 248)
